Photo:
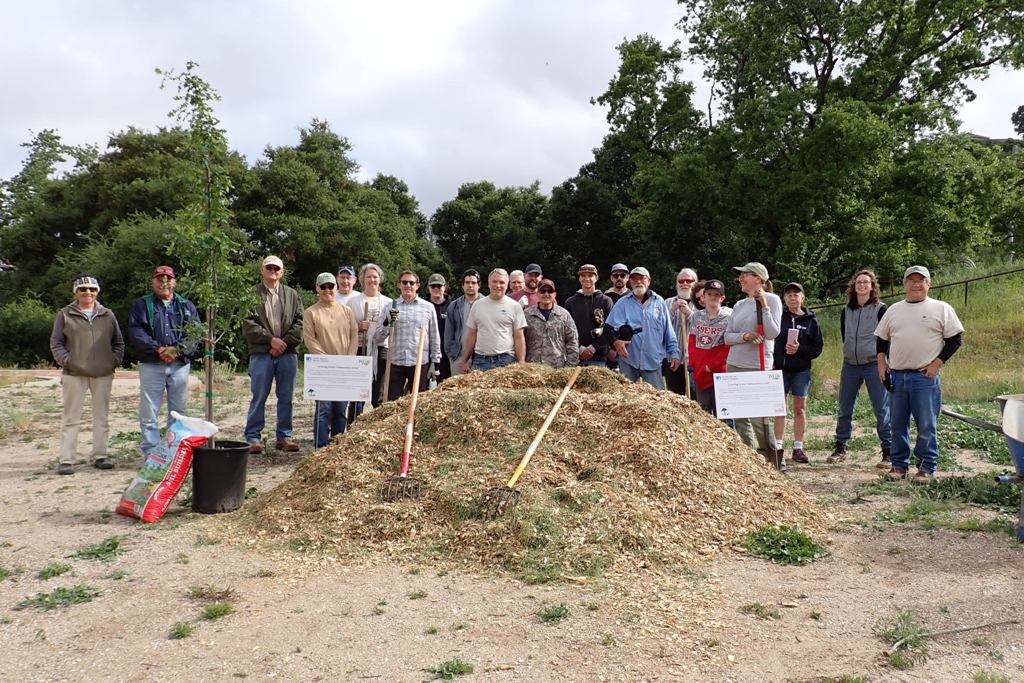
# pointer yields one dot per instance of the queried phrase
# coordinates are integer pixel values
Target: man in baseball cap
(529, 294)
(589, 309)
(643, 331)
(620, 281)
(157, 329)
(346, 281)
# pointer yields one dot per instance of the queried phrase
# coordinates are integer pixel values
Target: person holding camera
(755, 322)
(644, 337)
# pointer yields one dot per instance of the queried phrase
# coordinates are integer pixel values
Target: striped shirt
(412, 315)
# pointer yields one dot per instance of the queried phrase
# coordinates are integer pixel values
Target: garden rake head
(497, 500)
(401, 486)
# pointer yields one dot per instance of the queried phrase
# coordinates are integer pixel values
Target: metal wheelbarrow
(1012, 409)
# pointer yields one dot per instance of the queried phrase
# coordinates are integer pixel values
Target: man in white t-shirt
(495, 325)
(916, 337)
(346, 281)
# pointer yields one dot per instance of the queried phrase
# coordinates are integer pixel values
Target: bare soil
(307, 618)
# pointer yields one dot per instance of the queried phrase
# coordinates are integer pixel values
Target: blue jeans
(154, 379)
(330, 421)
(492, 362)
(264, 369)
(919, 396)
(850, 380)
(652, 377)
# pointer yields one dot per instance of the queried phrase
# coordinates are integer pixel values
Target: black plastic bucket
(218, 477)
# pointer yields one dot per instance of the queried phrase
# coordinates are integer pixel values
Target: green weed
(217, 610)
(182, 629)
(6, 572)
(432, 630)
(105, 551)
(984, 677)
(416, 595)
(449, 670)
(554, 613)
(59, 597)
(53, 569)
(761, 611)
(210, 592)
(784, 545)
(904, 629)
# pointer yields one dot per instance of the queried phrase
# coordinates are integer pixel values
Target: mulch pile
(627, 477)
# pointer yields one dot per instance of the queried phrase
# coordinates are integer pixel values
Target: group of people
(680, 344)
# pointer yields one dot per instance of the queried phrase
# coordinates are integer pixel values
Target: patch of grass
(204, 540)
(997, 525)
(459, 626)
(6, 572)
(930, 514)
(904, 630)
(378, 609)
(59, 597)
(182, 629)
(115, 575)
(217, 610)
(761, 611)
(554, 613)
(210, 592)
(432, 630)
(996, 655)
(985, 677)
(978, 490)
(990, 446)
(105, 551)
(264, 573)
(608, 640)
(416, 595)
(449, 670)
(53, 569)
(815, 616)
(784, 545)
(251, 493)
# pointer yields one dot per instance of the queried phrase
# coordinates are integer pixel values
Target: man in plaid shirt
(408, 314)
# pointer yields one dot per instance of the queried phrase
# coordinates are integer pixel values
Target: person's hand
(611, 355)
(707, 369)
(364, 325)
(277, 344)
(683, 305)
(791, 347)
(467, 363)
(752, 337)
(393, 315)
(586, 353)
(168, 354)
(620, 347)
(883, 369)
(762, 298)
(932, 369)
(674, 364)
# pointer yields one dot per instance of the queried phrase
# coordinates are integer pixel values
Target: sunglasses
(407, 282)
(619, 276)
(546, 291)
(685, 281)
(272, 269)
(327, 285)
(435, 286)
(88, 289)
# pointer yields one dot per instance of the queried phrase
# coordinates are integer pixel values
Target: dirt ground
(300, 618)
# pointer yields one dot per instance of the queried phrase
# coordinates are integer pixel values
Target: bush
(25, 327)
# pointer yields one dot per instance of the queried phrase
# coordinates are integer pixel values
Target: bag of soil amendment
(165, 469)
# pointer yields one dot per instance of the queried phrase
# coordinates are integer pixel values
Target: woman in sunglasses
(87, 344)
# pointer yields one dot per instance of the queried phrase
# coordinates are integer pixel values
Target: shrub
(25, 327)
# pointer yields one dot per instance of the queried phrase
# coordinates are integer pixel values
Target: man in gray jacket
(455, 326)
(274, 332)
(551, 336)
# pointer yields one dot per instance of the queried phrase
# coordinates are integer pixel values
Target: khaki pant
(73, 394)
(756, 432)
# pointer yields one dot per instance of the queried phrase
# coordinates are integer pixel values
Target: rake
(404, 485)
(500, 498)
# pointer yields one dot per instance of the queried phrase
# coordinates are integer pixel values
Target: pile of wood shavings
(627, 479)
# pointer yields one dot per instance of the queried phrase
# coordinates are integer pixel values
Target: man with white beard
(681, 307)
(644, 337)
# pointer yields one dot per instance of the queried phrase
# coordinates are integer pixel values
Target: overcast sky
(437, 93)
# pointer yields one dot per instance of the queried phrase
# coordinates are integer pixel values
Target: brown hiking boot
(838, 454)
(923, 477)
(884, 464)
(895, 475)
(799, 456)
(255, 447)
(286, 445)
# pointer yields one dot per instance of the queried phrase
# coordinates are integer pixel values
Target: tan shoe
(255, 447)
(286, 445)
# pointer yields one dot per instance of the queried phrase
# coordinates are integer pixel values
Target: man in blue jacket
(157, 333)
(644, 334)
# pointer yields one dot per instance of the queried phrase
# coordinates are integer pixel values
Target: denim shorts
(797, 383)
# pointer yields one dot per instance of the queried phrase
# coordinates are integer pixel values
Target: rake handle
(407, 450)
(544, 427)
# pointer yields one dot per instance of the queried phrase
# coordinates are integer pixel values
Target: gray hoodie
(857, 328)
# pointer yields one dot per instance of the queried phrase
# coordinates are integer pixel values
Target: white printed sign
(749, 394)
(337, 378)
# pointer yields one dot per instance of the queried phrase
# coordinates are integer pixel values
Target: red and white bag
(165, 469)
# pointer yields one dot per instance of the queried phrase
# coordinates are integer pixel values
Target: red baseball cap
(164, 270)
